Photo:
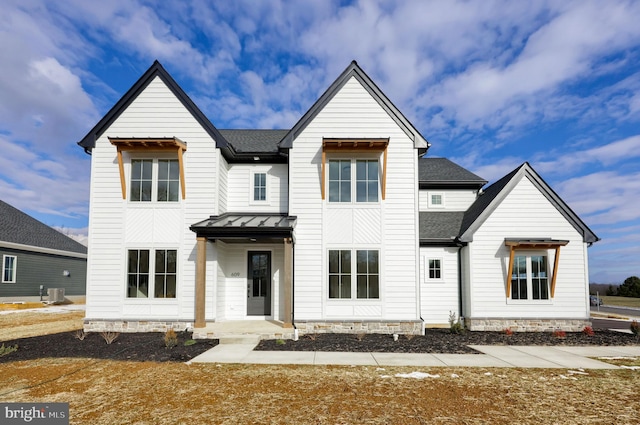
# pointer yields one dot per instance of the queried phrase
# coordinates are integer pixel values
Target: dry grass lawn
(621, 301)
(112, 392)
(28, 323)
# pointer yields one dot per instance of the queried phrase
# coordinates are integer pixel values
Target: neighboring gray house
(34, 254)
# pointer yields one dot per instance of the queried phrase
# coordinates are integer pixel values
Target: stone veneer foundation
(526, 325)
(415, 327)
(132, 326)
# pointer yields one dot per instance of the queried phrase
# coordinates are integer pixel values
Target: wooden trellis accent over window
(137, 144)
(354, 146)
(540, 244)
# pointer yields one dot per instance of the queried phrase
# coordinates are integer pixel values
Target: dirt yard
(124, 392)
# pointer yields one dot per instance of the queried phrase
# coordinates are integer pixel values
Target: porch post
(201, 280)
(288, 282)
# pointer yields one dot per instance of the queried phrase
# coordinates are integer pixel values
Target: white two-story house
(339, 224)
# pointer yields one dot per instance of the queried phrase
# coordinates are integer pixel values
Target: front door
(259, 284)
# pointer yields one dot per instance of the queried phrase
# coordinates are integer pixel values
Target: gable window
(340, 181)
(435, 268)
(530, 277)
(367, 180)
(165, 273)
(9, 263)
(368, 274)
(339, 274)
(367, 269)
(259, 186)
(347, 176)
(168, 180)
(141, 180)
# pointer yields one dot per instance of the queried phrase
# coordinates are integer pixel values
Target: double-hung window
(163, 269)
(155, 180)
(348, 176)
(530, 277)
(343, 262)
(9, 263)
(259, 187)
(435, 268)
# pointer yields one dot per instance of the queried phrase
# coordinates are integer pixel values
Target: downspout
(460, 245)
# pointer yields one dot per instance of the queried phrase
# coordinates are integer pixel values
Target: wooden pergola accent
(528, 244)
(330, 145)
(137, 144)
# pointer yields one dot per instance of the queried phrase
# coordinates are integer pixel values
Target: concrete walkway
(492, 356)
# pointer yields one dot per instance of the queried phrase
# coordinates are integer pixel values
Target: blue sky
(490, 84)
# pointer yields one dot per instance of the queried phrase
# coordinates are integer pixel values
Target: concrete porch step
(240, 339)
(239, 330)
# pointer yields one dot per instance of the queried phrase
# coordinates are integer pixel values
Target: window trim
(427, 271)
(252, 199)
(353, 275)
(353, 181)
(155, 178)
(151, 274)
(14, 269)
(430, 202)
(528, 280)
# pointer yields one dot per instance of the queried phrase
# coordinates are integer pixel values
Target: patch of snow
(577, 372)
(380, 368)
(385, 376)
(453, 375)
(416, 375)
(630, 367)
(488, 374)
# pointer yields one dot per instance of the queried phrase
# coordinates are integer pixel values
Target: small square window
(436, 200)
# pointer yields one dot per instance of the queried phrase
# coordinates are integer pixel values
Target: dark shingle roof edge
(442, 172)
(23, 232)
(440, 226)
(156, 70)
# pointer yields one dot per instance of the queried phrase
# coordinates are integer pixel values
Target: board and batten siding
(526, 213)
(453, 200)
(240, 190)
(439, 297)
(116, 225)
(389, 226)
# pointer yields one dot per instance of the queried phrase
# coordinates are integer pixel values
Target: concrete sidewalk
(492, 356)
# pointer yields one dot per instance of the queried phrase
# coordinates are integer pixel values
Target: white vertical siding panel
(526, 213)
(354, 113)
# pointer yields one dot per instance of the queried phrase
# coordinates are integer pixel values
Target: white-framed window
(154, 180)
(434, 271)
(530, 277)
(259, 183)
(9, 267)
(164, 269)
(342, 263)
(436, 200)
(348, 176)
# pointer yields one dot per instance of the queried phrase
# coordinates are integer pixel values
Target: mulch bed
(127, 346)
(440, 341)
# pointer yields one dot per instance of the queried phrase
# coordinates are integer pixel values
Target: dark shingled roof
(254, 141)
(483, 201)
(440, 172)
(440, 226)
(20, 228)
